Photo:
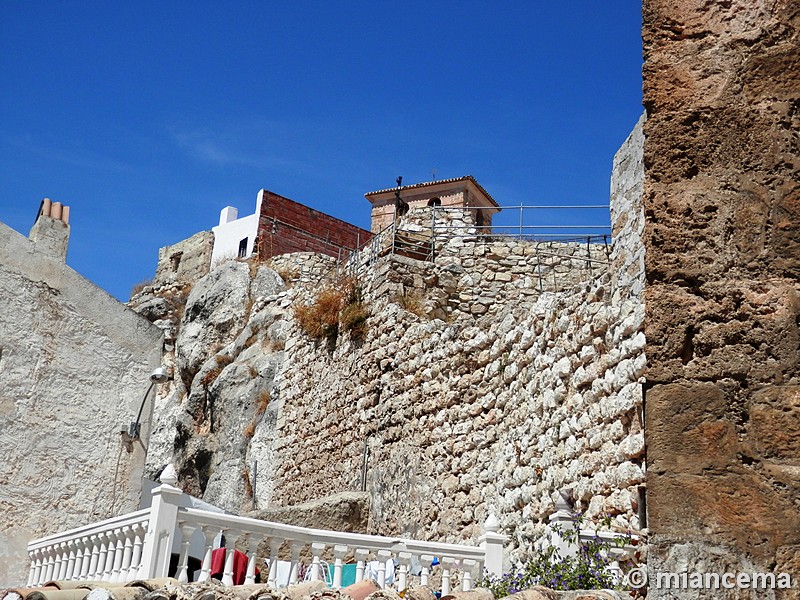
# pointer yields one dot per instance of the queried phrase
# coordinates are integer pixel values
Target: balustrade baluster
(404, 558)
(63, 561)
(183, 561)
(116, 573)
(36, 568)
(136, 561)
(94, 557)
(50, 564)
(87, 557)
(316, 572)
(383, 556)
(466, 577)
(339, 552)
(97, 573)
(111, 549)
(209, 534)
(252, 548)
(127, 554)
(426, 560)
(447, 563)
(294, 573)
(274, 548)
(361, 560)
(230, 544)
(70, 573)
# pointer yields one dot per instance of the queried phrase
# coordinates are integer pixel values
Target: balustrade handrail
(308, 535)
(139, 545)
(134, 518)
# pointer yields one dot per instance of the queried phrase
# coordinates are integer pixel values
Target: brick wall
(286, 226)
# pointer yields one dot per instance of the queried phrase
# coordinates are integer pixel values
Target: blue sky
(147, 118)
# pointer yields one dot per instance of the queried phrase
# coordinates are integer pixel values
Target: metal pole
(433, 232)
(136, 427)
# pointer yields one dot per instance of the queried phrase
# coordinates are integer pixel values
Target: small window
(435, 202)
(243, 248)
(175, 259)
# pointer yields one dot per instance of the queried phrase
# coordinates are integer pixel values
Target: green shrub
(587, 570)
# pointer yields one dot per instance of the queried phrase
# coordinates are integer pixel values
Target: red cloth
(239, 565)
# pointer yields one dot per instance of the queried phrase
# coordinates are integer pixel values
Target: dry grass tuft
(223, 360)
(210, 377)
(338, 304)
(139, 287)
(412, 302)
(262, 402)
(248, 484)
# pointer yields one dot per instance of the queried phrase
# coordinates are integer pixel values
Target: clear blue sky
(147, 118)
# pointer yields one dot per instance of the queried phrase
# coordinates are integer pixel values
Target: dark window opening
(243, 248)
(175, 259)
(435, 202)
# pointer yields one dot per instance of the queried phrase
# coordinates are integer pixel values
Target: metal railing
(440, 224)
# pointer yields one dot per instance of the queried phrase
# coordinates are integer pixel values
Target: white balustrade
(90, 552)
(138, 546)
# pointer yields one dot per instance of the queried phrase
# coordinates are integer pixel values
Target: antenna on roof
(400, 206)
(433, 174)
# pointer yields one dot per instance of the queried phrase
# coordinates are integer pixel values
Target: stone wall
(722, 199)
(74, 365)
(185, 262)
(489, 380)
(477, 391)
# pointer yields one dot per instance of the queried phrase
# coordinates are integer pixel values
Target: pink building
(462, 192)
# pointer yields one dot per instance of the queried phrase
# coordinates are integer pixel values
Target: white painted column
(339, 552)
(492, 543)
(361, 560)
(161, 527)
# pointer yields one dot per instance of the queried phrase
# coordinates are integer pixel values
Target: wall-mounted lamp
(158, 376)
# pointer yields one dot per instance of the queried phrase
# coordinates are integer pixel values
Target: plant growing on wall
(339, 304)
(588, 569)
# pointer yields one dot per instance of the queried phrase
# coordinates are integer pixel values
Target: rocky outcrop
(722, 199)
(346, 511)
(489, 379)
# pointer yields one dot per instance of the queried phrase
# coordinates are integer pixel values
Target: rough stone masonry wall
(493, 410)
(722, 199)
(185, 262)
(475, 274)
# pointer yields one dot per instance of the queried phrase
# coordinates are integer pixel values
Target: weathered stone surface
(74, 365)
(722, 87)
(345, 511)
(215, 313)
(186, 261)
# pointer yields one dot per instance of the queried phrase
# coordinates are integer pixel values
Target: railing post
(339, 552)
(161, 527)
(492, 543)
(361, 560)
(426, 560)
(560, 521)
